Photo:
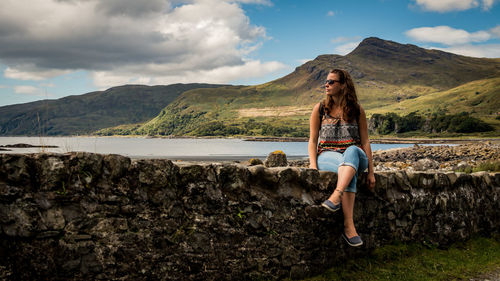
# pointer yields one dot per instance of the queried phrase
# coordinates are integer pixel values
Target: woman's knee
(355, 150)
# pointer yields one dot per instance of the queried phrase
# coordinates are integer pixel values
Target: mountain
(385, 72)
(84, 114)
(398, 64)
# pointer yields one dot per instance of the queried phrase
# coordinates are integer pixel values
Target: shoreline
(387, 140)
(398, 157)
(376, 140)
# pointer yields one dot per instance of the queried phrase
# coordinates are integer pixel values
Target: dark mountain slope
(84, 114)
(396, 63)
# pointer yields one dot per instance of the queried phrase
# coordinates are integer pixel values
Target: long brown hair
(348, 98)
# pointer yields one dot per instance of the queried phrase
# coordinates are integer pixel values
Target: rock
(426, 164)
(463, 166)
(276, 159)
(391, 215)
(255, 161)
(25, 145)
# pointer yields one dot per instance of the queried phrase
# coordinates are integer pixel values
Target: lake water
(175, 149)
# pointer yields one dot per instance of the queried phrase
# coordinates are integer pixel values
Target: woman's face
(332, 84)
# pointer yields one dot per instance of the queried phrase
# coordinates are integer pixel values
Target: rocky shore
(428, 158)
(442, 158)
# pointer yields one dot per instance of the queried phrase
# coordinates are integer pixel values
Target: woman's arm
(365, 145)
(313, 137)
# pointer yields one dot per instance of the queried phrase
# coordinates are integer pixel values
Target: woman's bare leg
(348, 210)
(345, 175)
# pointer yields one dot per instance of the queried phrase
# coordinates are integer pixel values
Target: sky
(50, 49)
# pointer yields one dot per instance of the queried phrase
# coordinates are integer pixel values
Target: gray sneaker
(354, 241)
(331, 206)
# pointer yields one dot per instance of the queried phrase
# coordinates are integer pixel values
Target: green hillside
(480, 98)
(386, 74)
(84, 114)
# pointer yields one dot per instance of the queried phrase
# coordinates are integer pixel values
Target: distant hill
(386, 73)
(84, 114)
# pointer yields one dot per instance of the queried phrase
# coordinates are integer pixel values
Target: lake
(174, 149)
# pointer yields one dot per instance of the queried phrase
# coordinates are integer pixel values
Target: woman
(339, 123)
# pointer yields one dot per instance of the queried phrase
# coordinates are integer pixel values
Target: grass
(488, 166)
(414, 261)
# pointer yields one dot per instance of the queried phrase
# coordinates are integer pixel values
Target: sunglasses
(331, 82)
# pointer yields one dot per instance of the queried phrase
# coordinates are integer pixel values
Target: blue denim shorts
(353, 156)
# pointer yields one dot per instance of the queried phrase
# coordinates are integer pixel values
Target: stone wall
(89, 216)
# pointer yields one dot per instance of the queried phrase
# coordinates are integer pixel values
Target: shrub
(491, 166)
(437, 123)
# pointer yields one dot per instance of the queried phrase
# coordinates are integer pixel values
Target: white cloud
(454, 5)
(447, 35)
(157, 39)
(487, 4)
(49, 85)
(31, 72)
(259, 2)
(219, 75)
(330, 13)
(495, 32)
(459, 41)
(4, 86)
(26, 90)
(344, 49)
(302, 61)
(342, 39)
(478, 51)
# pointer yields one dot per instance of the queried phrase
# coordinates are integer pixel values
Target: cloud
(259, 2)
(487, 4)
(302, 61)
(344, 49)
(495, 32)
(342, 39)
(32, 72)
(158, 39)
(459, 41)
(219, 75)
(348, 44)
(330, 13)
(26, 90)
(478, 51)
(443, 6)
(49, 85)
(447, 35)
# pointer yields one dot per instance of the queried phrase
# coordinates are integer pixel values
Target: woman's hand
(371, 181)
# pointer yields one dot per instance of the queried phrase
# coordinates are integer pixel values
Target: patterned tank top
(337, 135)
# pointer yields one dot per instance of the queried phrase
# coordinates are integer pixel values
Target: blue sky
(55, 48)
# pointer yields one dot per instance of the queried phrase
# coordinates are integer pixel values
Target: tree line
(391, 122)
